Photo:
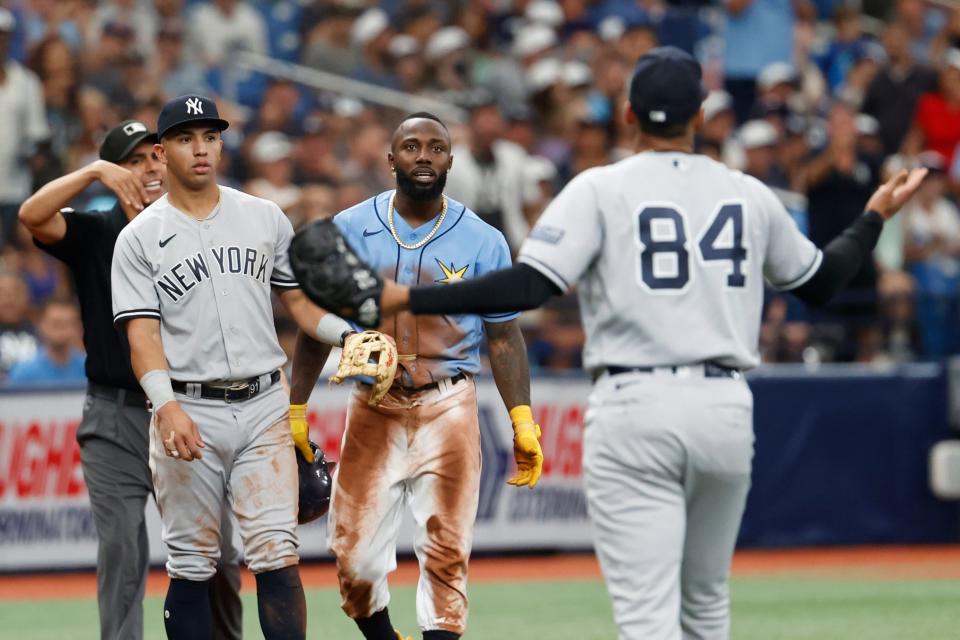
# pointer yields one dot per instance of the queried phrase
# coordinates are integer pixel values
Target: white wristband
(331, 328)
(156, 384)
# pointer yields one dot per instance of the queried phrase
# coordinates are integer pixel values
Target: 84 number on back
(656, 250)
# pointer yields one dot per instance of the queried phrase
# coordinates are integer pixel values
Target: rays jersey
(208, 282)
(671, 251)
(430, 347)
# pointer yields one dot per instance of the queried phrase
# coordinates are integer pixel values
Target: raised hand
(890, 197)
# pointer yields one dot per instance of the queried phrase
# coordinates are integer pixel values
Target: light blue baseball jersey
(430, 347)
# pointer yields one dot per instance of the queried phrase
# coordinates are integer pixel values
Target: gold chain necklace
(426, 239)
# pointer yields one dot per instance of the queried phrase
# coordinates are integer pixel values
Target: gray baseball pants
(667, 464)
(248, 461)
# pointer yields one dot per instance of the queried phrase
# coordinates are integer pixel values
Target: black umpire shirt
(87, 250)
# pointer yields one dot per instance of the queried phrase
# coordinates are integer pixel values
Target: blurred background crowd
(820, 99)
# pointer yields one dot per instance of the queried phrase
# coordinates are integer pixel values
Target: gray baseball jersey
(208, 282)
(670, 251)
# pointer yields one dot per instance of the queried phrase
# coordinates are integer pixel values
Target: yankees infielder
(420, 445)
(671, 251)
(113, 433)
(192, 276)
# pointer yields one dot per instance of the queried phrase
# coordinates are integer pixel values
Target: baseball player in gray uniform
(113, 433)
(671, 251)
(192, 278)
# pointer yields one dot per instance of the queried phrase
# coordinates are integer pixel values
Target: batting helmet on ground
(315, 485)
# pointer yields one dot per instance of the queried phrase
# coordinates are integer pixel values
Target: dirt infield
(862, 563)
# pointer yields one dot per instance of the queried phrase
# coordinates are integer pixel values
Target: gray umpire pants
(667, 469)
(114, 449)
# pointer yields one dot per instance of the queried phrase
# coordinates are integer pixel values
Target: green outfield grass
(787, 608)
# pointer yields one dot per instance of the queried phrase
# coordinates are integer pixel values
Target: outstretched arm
(844, 256)
(519, 288)
(511, 371)
(317, 323)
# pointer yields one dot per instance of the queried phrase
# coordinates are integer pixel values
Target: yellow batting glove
(526, 448)
(301, 430)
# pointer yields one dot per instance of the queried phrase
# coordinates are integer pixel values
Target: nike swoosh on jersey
(163, 243)
(370, 233)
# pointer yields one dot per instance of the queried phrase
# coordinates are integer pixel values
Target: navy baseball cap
(123, 139)
(667, 86)
(189, 109)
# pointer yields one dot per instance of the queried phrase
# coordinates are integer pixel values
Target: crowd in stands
(820, 99)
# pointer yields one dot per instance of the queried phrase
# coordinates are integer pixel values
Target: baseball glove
(370, 354)
(332, 276)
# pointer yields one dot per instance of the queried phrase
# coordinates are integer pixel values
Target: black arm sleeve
(518, 288)
(842, 259)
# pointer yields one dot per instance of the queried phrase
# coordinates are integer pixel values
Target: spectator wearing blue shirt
(58, 360)
(846, 50)
(759, 33)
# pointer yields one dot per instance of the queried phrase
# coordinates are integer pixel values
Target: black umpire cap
(189, 109)
(666, 87)
(123, 139)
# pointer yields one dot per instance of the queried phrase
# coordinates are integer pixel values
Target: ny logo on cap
(194, 106)
(133, 128)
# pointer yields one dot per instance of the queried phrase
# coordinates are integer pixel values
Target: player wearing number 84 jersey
(670, 251)
(669, 273)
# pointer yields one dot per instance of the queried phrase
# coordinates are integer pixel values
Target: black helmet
(316, 485)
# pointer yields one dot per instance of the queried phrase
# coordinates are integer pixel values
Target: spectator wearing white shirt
(138, 15)
(18, 341)
(23, 115)
(487, 175)
(272, 158)
(931, 231)
(222, 28)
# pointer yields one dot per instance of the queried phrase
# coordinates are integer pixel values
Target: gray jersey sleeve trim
(546, 270)
(285, 284)
(123, 316)
(806, 275)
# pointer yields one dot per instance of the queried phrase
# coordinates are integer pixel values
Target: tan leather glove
(526, 448)
(372, 354)
(301, 431)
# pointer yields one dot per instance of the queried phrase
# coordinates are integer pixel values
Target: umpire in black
(113, 433)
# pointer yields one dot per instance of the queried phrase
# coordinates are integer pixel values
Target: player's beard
(417, 192)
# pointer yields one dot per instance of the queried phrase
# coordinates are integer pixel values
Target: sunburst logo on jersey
(451, 274)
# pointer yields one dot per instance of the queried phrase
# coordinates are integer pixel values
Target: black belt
(435, 385)
(710, 370)
(126, 397)
(237, 391)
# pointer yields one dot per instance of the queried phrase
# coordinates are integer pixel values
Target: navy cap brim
(218, 123)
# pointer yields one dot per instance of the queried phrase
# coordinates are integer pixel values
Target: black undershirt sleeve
(842, 259)
(518, 288)
(522, 287)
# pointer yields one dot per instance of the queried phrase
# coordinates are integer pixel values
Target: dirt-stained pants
(421, 449)
(248, 459)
